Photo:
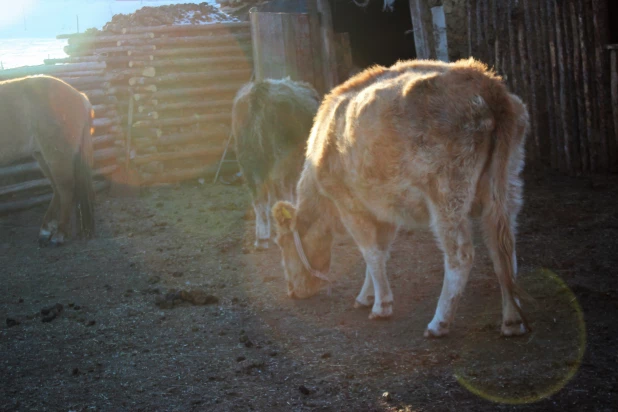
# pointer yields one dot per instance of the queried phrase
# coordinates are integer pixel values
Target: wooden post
(572, 143)
(469, 20)
(533, 73)
(421, 39)
(563, 149)
(598, 25)
(512, 45)
(585, 80)
(127, 157)
(439, 33)
(331, 79)
(614, 69)
(579, 107)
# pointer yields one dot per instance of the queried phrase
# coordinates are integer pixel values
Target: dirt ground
(124, 340)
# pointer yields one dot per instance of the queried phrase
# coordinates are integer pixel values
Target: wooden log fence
(182, 80)
(552, 54)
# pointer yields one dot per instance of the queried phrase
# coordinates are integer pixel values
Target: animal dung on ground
(175, 298)
(10, 322)
(51, 312)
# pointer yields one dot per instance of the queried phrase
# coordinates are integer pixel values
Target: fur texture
(422, 144)
(271, 121)
(45, 118)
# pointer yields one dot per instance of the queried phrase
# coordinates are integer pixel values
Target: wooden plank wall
(287, 44)
(553, 54)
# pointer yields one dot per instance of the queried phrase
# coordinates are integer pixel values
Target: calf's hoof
(261, 244)
(436, 331)
(359, 304)
(516, 328)
(382, 311)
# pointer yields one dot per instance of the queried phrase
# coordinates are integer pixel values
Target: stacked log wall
(174, 104)
(180, 82)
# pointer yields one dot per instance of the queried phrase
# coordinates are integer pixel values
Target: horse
(45, 118)
(420, 144)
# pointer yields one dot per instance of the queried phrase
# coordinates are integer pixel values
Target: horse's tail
(82, 168)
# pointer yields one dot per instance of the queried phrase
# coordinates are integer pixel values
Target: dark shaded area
(612, 18)
(376, 36)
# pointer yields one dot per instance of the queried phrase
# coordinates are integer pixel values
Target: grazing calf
(419, 144)
(271, 121)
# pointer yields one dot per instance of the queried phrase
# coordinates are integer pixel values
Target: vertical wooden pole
(512, 45)
(255, 42)
(573, 142)
(495, 35)
(328, 44)
(421, 38)
(614, 76)
(480, 46)
(533, 69)
(553, 69)
(580, 107)
(470, 28)
(591, 152)
(439, 33)
(563, 149)
(544, 81)
(523, 69)
(598, 11)
(127, 159)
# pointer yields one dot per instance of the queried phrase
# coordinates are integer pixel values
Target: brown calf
(419, 144)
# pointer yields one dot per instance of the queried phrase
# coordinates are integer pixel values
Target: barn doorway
(376, 36)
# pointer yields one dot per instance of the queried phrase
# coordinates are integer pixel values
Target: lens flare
(536, 366)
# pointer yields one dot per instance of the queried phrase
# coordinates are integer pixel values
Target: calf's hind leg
(455, 239)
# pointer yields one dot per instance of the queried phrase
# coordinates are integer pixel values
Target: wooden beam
(329, 58)
(186, 28)
(421, 38)
(614, 82)
(439, 33)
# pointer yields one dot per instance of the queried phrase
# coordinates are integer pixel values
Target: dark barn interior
(377, 36)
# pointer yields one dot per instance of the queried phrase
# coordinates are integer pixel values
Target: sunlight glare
(13, 12)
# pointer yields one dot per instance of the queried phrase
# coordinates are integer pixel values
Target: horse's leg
(66, 194)
(374, 239)
(59, 161)
(50, 222)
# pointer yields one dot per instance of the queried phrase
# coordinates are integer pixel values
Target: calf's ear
(285, 216)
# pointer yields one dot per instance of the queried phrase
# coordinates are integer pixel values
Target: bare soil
(170, 309)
